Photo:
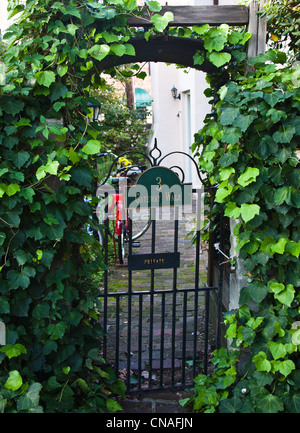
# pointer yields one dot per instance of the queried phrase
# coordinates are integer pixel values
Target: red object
(118, 205)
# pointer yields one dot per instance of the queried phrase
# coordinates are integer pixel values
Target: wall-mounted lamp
(96, 110)
(174, 92)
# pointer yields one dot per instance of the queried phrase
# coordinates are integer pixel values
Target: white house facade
(175, 121)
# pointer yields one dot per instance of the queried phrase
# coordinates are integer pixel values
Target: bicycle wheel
(140, 224)
(121, 247)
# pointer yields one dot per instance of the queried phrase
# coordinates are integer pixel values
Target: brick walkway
(156, 401)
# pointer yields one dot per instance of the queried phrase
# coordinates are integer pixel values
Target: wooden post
(2, 334)
(253, 28)
(262, 31)
(258, 27)
(129, 94)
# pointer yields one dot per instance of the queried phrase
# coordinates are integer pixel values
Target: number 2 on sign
(158, 179)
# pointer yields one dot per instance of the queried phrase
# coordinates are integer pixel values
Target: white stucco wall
(172, 127)
(3, 16)
(174, 123)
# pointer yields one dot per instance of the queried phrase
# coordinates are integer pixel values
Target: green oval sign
(157, 187)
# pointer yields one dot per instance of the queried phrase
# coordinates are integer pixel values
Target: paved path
(118, 282)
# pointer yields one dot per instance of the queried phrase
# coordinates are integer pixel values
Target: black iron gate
(156, 304)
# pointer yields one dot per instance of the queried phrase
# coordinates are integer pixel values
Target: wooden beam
(197, 15)
(161, 49)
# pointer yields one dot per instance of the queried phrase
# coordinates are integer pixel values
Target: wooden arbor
(181, 50)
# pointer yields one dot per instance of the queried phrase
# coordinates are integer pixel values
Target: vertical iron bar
(197, 270)
(162, 338)
(184, 337)
(207, 296)
(174, 298)
(117, 333)
(129, 305)
(220, 283)
(105, 282)
(153, 217)
(140, 334)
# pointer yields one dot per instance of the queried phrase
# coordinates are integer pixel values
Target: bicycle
(113, 206)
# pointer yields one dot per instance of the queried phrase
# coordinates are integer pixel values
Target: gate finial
(155, 148)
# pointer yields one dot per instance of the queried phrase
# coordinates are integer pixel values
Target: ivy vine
(250, 144)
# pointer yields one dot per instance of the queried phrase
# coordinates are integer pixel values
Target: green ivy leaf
(257, 291)
(10, 105)
(231, 135)
(284, 367)
(57, 330)
(198, 58)
(284, 294)
(161, 21)
(221, 194)
(113, 405)
(244, 121)
(235, 37)
(225, 173)
(21, 158)
(14, 381)
(273, 98)
(13, 350)
(62, 70)
(248, 176)
(292, 402)
(232, 210)
(200, 30)
(12, 189)
(99, 52)
(248, 211)
(282, 195)
(293, 248)
(279, 246)
(278, 350)
(30, 399)
(20, 279)
(71, 29)
(154, 6)
(58, 90)
(228, 115)
(118, 49)
(92, 147)
(285, 135)
(55, 231)
(215, 39)
(228, 158)
(219, 59)
(41, 311)
(130, 5)
(231, 405)
(276, 115)
(268, 403)
(82, 176)
(261, 362)
(130, 51)
(71, 10)
(45, 78)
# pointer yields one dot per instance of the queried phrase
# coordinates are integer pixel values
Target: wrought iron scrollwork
(155, 159)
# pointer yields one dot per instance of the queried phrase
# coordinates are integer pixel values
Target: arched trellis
(181, 50)
(161, 49)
